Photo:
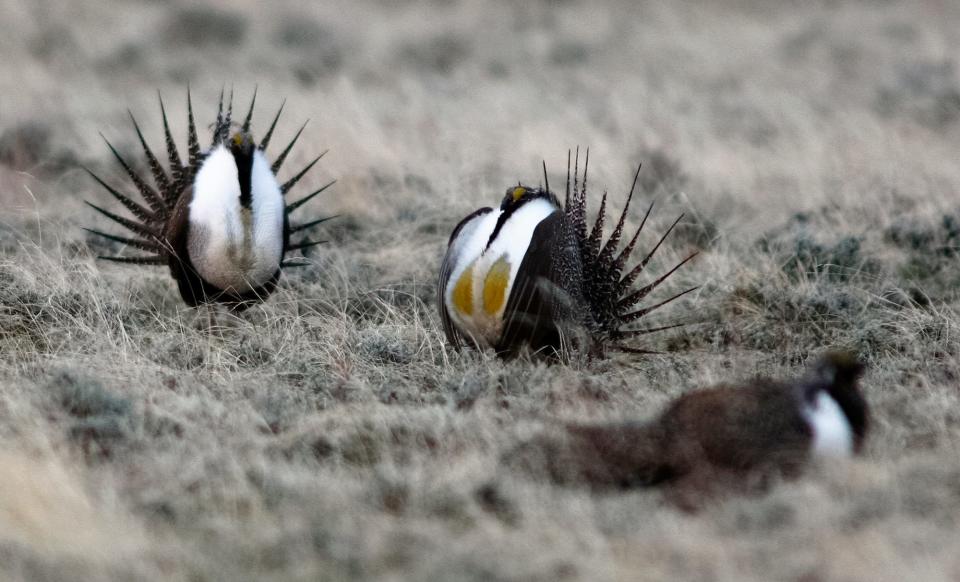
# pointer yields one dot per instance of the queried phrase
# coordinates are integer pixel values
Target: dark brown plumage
(708, 440)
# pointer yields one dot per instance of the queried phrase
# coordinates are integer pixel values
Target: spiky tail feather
(150, 223)
(152, 219)
(608, 291)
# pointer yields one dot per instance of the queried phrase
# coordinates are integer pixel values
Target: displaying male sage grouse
(530, 273)
(219, 222)
(728, 435)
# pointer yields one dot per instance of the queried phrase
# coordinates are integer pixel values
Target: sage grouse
(219, 221)
(726, 435)
(530, 274)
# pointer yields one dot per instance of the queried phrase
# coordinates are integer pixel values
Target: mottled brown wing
(741, 429)
(544, 296)
(175, 233)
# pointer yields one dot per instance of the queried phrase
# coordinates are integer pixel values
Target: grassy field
(330, 434)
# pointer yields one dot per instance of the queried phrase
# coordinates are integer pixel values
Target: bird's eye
(518, 193)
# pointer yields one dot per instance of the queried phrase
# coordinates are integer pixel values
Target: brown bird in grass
(220, 221)
(708, 440)
(530, 273)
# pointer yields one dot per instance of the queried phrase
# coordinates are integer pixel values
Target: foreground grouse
(218, 221)
(706, 440)
(530, 274)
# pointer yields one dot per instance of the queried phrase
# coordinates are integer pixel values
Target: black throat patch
(243, 156)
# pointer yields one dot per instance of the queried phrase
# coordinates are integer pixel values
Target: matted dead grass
(330, 434)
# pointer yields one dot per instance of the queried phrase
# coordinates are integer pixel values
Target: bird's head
(838, 374)
(242, 145)
(519, 195)
(838, 369)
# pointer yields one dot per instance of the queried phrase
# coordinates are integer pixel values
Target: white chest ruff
(481, 282)
(832, 434)
(234, 248)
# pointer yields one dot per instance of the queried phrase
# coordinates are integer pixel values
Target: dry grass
(330, 434)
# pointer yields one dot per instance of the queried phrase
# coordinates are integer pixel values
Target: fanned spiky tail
(161, 198)
(609, 292)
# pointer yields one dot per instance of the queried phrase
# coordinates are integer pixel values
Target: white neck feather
(832, 434)
(511, 244)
